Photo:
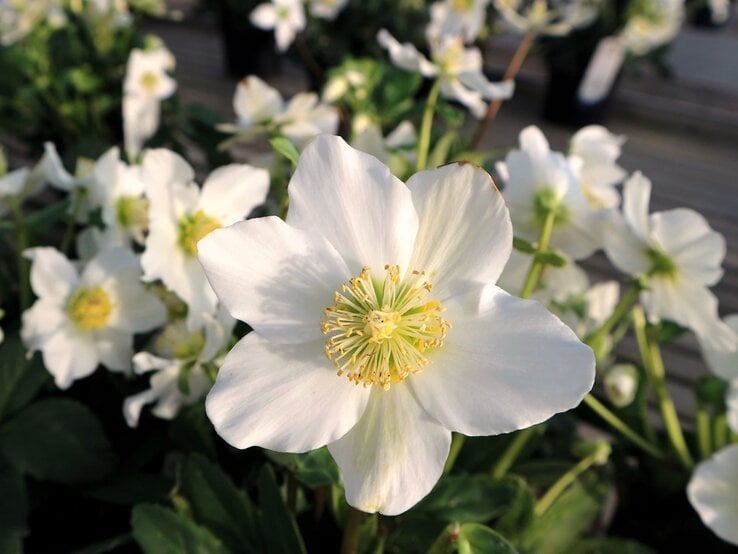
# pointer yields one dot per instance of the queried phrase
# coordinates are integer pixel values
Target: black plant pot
(248, 50)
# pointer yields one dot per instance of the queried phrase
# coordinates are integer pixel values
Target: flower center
(378, 331)
(132, 211)
(462, 5)
(149, 81)
(661, 264)
(89, 308)
(193, 227)
(178, 342)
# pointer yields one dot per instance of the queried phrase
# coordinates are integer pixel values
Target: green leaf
(13, 511)
(478, 539)
(161, 531)
(440, 153)
(58, 440)
(468, 498)
(611, 545)
(192, 431)
(132, 488)
(283, 146)
(669, 330)
(20, 378)
(314, 469)
(519, 512)
(523, 245)
(217, 504)
(281, 534)
(551, 258)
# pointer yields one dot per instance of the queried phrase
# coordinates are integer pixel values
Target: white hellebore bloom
(146, 84)
(538, 180)
(286, 17)
(261, 108)
(178, 349)
(463, 18)
(713, 493)
(651, 23)
(180, 214)
(458, 68)
(416, 341)
(680, 254)
(555, 18)
(82, 320)
(598, 149)
(326, 9)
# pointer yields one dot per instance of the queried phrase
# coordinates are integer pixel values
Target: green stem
(596, 338)
(350, 541)
(513, 450)
(704, 431)
(457, 442)
(425, 128)
(619, 425)
(654, 365)
(536, 268)
(544, 503)
(720, 431)
(24, 265)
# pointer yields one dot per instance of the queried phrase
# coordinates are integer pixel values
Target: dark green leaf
(20, 378)
(192, 431)
(217, 504)
(13, 510)
(611, 545)
(59, 440)
(478, 539)
(668, 331)
(131, 489)
(283, 146)
(108, 545)
(314, 469)
(523, 245)
(281, 535)
(519, 512)
(551, 258)
(468, 498)
(161, 531)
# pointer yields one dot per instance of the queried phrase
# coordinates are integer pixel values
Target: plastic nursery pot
(248, 50)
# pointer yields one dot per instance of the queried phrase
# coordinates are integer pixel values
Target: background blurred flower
(286, 17)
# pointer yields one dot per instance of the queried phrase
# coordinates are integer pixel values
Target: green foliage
(284, 147)
(13, 510)
(313, 469)
(20, 378)
(161, 531)
(281, 533)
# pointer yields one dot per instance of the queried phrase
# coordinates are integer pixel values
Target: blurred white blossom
(326, 9)
(286, 17)
(599, 149)
(554, 18)
(464, 18)
(651, 23)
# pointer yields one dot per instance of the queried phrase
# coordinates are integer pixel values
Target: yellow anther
(89, 308)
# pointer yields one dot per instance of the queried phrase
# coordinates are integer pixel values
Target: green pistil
(661, 264)
(192, 228)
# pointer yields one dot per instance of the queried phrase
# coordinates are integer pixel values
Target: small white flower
(721, 363)
(82, 320)
(621, 384)
(180, 214)
(540, 17)
(599, 149)
(681, 255)
(454, 18)
(326, 9)
(651, 23)
(719, 10)
(286, 17)
(177, 349)
(536, 180)
(458, 68)
(713, 493)
(402, 278)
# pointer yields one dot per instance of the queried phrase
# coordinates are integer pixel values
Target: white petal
(231, 192)
(69, 355)
(138, 309)
(40, 321)
(264, 16)
(472, 99)
(625, 249)
(114, 349)
(636, 197)
(282, 397)
(713, 492)
(721, 363)
(256, 102)
(405, 56)
(161, 166)
(352, 200)
(133, 405)
(53, 276)
(453, 203)
(688, 239)
(284, 34)
(505, 365)
(394, 455)
(534, 143)
(11, 184)
(274, 277)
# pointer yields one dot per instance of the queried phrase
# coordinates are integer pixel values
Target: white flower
(458, 68)
(537, 16)
(286, 17)
(402, 278)
(21, 184)
(598, 149)
(681, 255)
(82, 320)
(19, 17)
(261, 109)
(713, 493)
(621, 384)
(463, 18)
(651, 23)
(179, 350)
(326, 9)
(721, 363)
(394, 150)
(537, 180)
(180, 214)
(719, 10)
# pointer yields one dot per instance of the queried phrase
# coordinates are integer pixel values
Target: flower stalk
(536, 268)
(596, 339)
(704, 431)
(425, 129)
(21, 239)
(457, 443)
(513, 450)
(350, 541)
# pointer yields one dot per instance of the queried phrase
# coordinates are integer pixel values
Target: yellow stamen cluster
(177, 341)
(89, 308)
(192, 228)
(149, 81)
(378, 331)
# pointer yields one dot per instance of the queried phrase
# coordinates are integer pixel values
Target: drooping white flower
(326, 9)
(713, 493)
(599, 149)
(455, 18)
(82, 320)
(180, 214)
(146, 84)
(402, 278)
(621, 384)
(458, 68)
(286, 17)
(536, 180)
(680, 254)
(544, 18)
(651, 23)
(260, 109)
(177, 349)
